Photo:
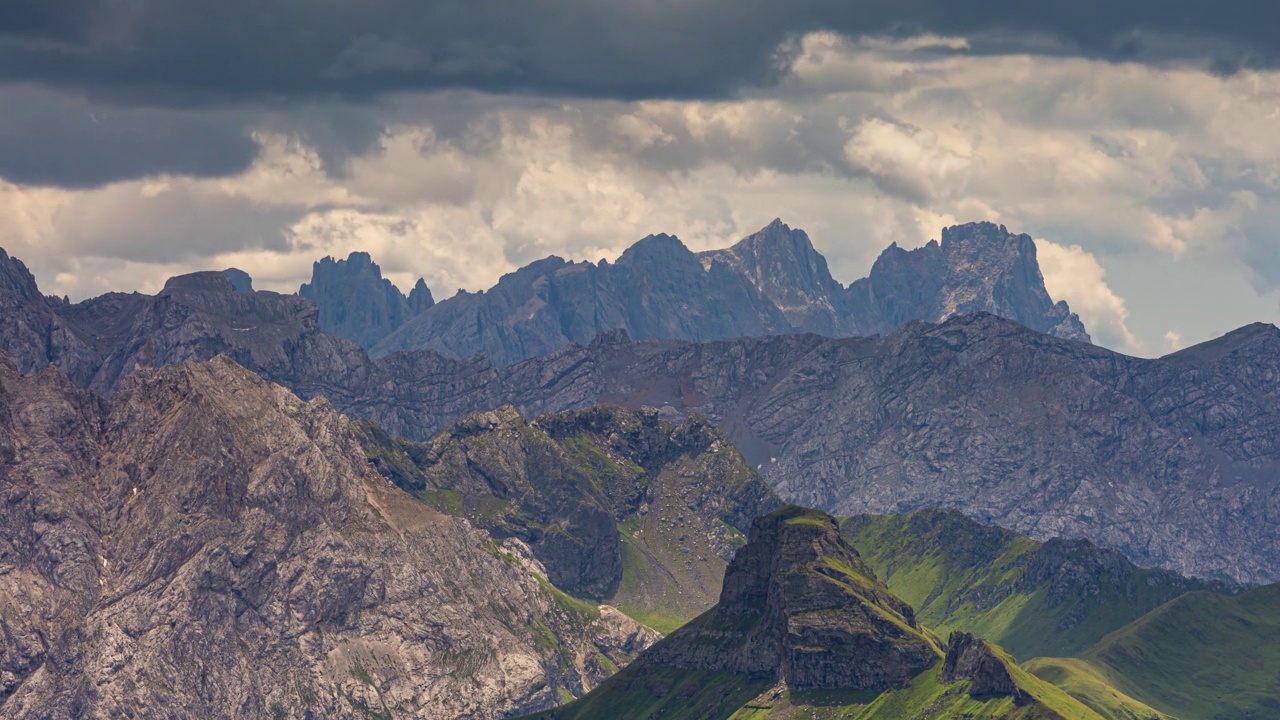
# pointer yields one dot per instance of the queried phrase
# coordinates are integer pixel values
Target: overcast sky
(1138, 142)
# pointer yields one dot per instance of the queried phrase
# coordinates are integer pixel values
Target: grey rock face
(970, 658)
(240, 280)
(657, 289)
(206, 544)
(799, 605)
(773, 281)
(978, 267)
(357, 303)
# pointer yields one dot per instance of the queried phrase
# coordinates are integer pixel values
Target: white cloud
(864, 143)
(1173, 341)
(1072, 274)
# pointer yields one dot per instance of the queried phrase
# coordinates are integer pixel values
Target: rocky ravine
(771, 282)
(205, 544)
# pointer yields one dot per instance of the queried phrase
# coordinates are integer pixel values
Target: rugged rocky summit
(206, 544)
(615, 504)
(973, 659)
(657, 289)
(357, 303)
(800, 606)
(978, 267)
(771, 282)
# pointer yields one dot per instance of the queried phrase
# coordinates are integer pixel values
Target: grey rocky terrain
(1172, 461)
(771, 282)
(206, 544)
(357, 303)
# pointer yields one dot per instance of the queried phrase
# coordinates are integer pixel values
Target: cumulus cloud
(1072, 274)
(863, 142)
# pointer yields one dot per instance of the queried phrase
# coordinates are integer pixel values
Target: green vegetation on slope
(674, 694)
(1203, 656)
(1087, 684)
(1051, 599)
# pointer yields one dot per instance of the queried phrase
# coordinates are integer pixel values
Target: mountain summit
(771, 282)
(357, 303)
(804, 629)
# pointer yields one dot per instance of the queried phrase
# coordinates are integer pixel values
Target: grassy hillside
(1203, 656)
(1087, 684)
(674, 694)
(1052, 599)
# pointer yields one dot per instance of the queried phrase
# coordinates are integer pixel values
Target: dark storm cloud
(247, 49)
(50, 138)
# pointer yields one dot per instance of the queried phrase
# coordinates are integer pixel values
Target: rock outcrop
(771, 282)
(973, 659)
(206, 544)
(357, 303)
(800, 606)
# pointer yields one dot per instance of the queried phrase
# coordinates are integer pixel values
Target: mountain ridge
(772, 281)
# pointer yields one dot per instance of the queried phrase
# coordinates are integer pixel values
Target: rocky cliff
(206, 544)
(978, 267)
(800, 606)
(357, 303)
(773, 281)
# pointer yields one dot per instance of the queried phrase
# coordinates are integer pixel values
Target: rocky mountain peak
(974, 659)
(655, 251)
(784, 267)
(799, 605)
(357, 303)
(978, 267)
(16, 281)
(240, 279)
(200, 282)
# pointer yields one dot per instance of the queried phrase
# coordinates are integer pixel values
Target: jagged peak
(650, 247)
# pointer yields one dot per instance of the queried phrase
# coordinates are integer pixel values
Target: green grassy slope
(1087, 684)
(671, 694)
(1203, 656)
(1051, 599)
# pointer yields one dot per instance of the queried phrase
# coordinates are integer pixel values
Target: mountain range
(771, 282)
(1172, 461)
